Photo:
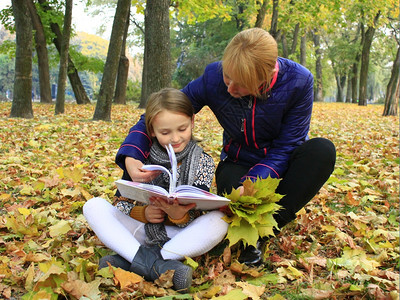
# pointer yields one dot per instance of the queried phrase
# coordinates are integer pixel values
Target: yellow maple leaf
(60, 228)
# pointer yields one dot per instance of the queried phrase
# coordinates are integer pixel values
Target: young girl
(136, 232)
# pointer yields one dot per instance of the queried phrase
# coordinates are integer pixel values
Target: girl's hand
(135, 171)
(174, 210)
(154, 214)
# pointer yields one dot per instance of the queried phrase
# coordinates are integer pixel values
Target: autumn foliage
(343, 245)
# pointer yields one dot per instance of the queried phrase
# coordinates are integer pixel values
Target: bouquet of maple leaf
(252, 212)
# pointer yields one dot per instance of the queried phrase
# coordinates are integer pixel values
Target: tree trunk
(354, 80)
(41, 50)
(366, 48)
(392, 90)
(76, 84)
(348, 89)
(22, 103)
(340, 83)
(303, 49)
(285, 51)
(157, 57)
(294, 40)
(123, 70)
(354, 68)
(318, 96)
(104, 101)
(240, 21)
(62, 74)
(274, 20)
(261, 14)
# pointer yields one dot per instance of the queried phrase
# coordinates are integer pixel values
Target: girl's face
(173, 128)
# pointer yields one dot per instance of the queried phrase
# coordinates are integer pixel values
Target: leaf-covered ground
(343, 245)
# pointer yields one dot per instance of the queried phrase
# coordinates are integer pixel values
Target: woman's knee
(321, 149)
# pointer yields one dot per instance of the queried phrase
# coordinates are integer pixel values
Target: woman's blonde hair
(250, 58)
(167, 99)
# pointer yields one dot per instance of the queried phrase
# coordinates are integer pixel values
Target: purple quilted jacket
(258, 133)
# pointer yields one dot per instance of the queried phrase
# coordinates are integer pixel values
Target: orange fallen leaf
(126, 279)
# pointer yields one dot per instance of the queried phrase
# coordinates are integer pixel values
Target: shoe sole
(183, 279)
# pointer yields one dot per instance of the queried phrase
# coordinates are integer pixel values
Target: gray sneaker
(116, 261)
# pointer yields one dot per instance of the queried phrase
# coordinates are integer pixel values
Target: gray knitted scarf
(188, 160)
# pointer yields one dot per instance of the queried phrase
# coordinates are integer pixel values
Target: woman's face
(173, 128)
(235, 89)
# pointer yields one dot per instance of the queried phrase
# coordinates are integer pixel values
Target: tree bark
(354, 80)
(348, 88)
(107, 86)
(157, 57)
(274, 20)
(303, 49)
(240, 21)
(392, 90)
(295, 39)
(41, 50)
(261, 14)
(22, 103)
(76, 84)
(62, 74)
(366, 48)
(285, 51)
(340, 83)
(123, 70)
(354, 68)
(318, 95)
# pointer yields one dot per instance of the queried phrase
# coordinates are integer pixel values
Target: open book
(185, 194)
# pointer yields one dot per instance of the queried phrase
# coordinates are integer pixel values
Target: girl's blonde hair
(250, 58)
(167, 99)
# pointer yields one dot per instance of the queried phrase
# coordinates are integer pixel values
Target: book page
(188, 194)
(174, 167)
(139, 191)
(193, 191)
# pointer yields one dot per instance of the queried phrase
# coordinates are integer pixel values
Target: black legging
(310, 166)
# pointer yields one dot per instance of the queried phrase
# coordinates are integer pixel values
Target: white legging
(124, 235)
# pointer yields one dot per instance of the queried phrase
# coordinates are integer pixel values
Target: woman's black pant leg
(228, 175)
(310, 166)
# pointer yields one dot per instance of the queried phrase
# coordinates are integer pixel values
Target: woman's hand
(241, 190)
(174, 210)
(135, 171)
(154, 214)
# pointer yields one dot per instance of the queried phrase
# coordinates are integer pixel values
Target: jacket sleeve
(196, 90)
(294, 131)
(136, 145)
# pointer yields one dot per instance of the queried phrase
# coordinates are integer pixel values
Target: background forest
(343, 245)
(90, 50)
(350, 47)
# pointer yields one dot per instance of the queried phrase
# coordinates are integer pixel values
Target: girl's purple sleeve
(136, 145)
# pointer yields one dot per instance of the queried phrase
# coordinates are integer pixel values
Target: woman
(264, 104)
